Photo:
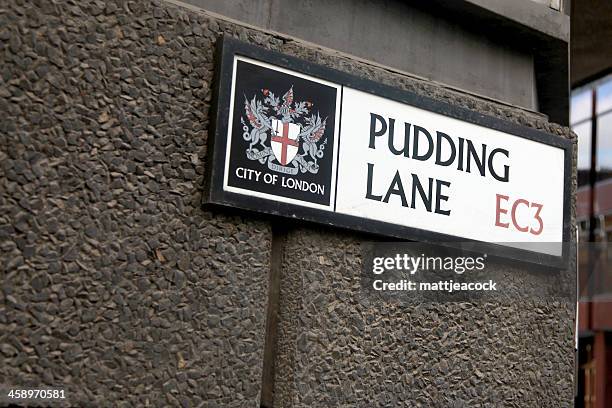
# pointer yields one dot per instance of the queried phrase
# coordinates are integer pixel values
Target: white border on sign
(226, 187)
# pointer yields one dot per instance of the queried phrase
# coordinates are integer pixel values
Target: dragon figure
(311, 134)
(256, 114)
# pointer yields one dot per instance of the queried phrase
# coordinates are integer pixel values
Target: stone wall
(340, 347)
(119, 287)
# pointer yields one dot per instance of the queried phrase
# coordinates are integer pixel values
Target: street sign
(300, 140)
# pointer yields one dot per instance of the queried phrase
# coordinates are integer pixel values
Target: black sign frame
(214, 194)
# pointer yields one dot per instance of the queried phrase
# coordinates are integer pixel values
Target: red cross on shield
(284, 140)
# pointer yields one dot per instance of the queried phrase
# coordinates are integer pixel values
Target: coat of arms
(295, 134)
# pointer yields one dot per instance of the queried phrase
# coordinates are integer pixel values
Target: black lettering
(373, 132)
(369, 194)
(449, 161)
(496, 176)
(396, 188)
(426, 198)
(415, 148)
(405, 150)
(440, 197)
(480, 161)
(460, 155)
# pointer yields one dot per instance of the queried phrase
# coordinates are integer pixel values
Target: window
(581, 106)
(598, 93)
(583, 130)
(604, 96)
(604, 143)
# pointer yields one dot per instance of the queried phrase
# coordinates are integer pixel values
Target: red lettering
(514, 206)
(537, 217)
(499, 211)
(521, 201)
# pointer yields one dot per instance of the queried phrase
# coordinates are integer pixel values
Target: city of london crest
(294, 133)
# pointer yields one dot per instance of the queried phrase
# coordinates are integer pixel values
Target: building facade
(122, 288)
(591, 120)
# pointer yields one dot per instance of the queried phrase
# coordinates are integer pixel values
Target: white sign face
(408, 166)
(313, 147)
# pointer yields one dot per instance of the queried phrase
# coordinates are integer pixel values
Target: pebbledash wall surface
(121, 288)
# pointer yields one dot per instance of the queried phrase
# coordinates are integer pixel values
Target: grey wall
(397, 34)
(121, 288)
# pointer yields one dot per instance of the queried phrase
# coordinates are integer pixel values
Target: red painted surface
(603, 199)
(599, 355)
